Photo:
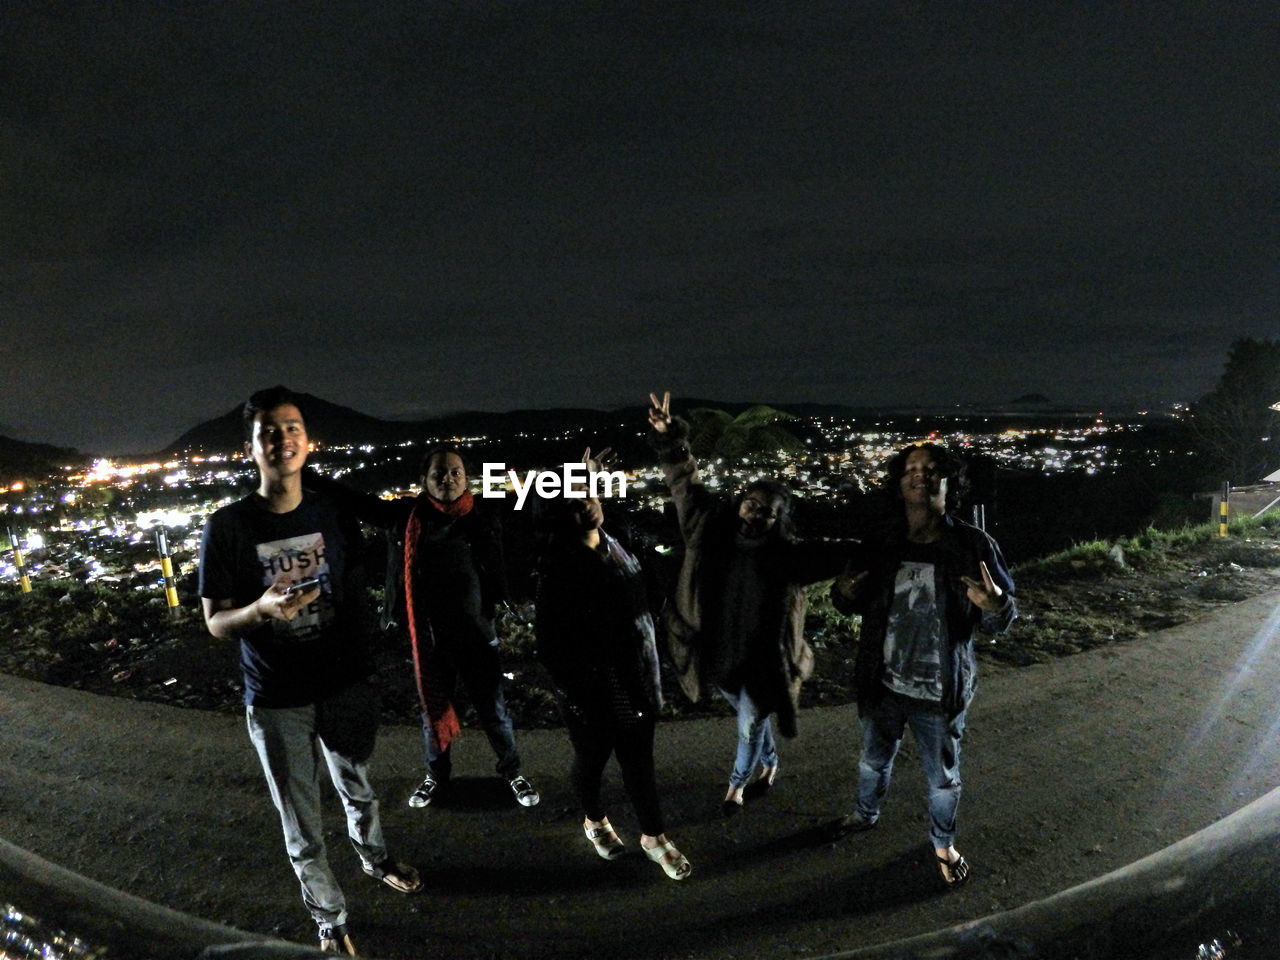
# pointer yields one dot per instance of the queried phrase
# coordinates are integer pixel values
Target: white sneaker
(526, 796)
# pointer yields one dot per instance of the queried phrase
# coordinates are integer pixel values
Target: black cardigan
(593, 614)
(962, 546)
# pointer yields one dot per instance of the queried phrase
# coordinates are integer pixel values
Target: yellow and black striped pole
(166, 568)
(1224, 508)
(18, 562)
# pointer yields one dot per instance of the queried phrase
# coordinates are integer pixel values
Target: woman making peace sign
(737, 621)
(924, 588)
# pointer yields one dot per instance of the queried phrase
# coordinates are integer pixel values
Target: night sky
(420, 208)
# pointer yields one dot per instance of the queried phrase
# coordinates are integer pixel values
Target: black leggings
(594, 739)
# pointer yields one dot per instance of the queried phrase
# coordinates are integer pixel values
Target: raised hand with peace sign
(660, 412)
(986, 595)
(606, 459)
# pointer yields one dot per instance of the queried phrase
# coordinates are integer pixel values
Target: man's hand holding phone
(303, 586)
(284, 598)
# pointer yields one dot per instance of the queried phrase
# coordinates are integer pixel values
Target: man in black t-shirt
(278, 574)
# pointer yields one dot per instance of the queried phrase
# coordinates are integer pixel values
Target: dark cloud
(411, 208)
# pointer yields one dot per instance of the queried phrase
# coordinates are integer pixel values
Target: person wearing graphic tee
(924, 587)
(277, 573)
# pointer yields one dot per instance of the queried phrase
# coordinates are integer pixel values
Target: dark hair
(442, 449)
(554, 530)
(268, 399)
(949, 466)
(553, 518)
(783, 527)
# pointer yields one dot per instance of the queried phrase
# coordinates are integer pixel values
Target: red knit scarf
(437, 707)
(456, 508)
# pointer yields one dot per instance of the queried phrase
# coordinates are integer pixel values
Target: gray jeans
(290, 749)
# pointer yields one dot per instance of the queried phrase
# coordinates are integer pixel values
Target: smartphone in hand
(302, 586)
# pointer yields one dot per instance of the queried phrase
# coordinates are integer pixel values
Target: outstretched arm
(373, 510)
(670, 437)
(849, 591)
(809, 561)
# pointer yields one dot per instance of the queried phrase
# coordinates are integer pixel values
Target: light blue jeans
(938, 738)
(756, 746)
(291, 751)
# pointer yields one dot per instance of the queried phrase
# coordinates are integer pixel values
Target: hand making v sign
(987, 594)
(660, 413)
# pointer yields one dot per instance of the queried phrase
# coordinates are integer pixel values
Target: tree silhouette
(756, 431)
(1234, 424)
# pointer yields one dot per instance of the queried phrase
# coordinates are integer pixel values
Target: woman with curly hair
(924, 587)
(737, 617)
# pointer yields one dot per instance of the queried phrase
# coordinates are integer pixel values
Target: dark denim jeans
(938, 738)
(480, 672)
(756, 746)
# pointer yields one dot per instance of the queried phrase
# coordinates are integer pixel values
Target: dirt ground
(1073, 767)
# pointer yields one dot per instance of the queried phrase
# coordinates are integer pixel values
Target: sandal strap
(398, 876)
(666, 853)
(674, 863)
(954, 872)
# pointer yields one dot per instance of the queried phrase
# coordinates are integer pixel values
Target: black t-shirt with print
(325, 647)
(914, 641)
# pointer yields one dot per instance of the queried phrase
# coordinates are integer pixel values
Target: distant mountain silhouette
(331, 424)
(519, 431)
(20, 460)
(327, 423)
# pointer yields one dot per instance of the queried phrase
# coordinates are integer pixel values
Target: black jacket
(708, 525)
(593, 619)
(480, 529)
(962, 547)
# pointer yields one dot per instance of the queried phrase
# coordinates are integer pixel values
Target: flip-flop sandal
(400, 877)
(673, 863)
(605, 840)
(955, 872)
(334, 938)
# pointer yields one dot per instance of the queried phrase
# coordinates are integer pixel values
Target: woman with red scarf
(446, 556)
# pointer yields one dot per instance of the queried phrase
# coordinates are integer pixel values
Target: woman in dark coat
(445, 578)
(737, 617)
(595, 636)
